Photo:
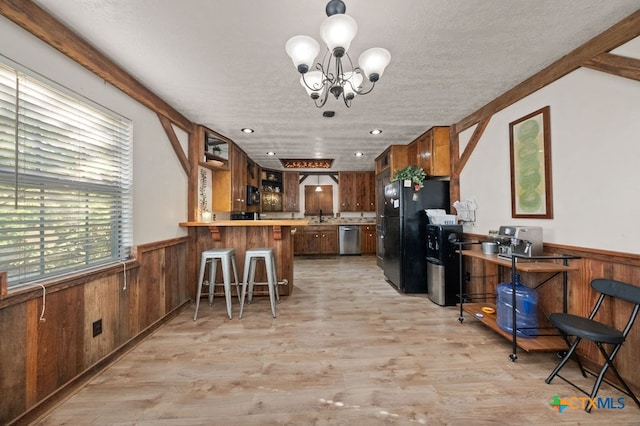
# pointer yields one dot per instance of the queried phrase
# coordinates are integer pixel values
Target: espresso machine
(520, 240)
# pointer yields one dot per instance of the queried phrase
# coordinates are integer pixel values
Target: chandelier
(336, 73)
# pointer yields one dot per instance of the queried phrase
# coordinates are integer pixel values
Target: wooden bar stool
(251, 257)
(226, 256)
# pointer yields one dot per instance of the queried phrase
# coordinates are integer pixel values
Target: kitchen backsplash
(336, 219)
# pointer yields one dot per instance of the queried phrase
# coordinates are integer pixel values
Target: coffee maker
(520, 240)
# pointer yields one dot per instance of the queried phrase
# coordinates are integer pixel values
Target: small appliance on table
(520, 240)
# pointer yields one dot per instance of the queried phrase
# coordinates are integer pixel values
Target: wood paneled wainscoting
(482, 277)
(41, 361)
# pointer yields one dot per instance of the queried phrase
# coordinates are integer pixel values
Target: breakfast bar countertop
(236, 223)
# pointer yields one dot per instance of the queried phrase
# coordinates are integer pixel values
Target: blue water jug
(526, 308)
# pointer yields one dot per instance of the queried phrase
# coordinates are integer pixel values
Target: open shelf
(216, 152)
(529, 344)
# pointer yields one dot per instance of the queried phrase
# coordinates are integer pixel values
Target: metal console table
(535, 264)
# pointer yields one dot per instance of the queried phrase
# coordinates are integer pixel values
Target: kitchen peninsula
(246, 234)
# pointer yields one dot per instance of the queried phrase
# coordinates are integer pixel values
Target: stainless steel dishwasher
(349, 239)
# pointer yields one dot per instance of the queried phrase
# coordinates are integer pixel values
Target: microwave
(253, 195)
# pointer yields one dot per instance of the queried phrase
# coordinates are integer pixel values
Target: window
(65, 181)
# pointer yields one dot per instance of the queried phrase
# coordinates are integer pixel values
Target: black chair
(599, 333)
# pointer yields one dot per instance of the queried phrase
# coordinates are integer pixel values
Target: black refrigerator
(404, 231)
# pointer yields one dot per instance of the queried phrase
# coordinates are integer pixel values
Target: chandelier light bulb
(352, 83)
(303, 51)
(373, 62)
(338, 31)
(313, 83)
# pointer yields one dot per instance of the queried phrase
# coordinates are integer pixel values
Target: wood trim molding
(3, 284)
(41, 24)
(618, 34)
(620, 66)
(138, 251)
(33, 291)
(454, 155)
(175, 144)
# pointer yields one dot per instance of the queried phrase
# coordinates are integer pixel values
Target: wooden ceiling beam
(41, 24)
(615, 36)
(620, 66)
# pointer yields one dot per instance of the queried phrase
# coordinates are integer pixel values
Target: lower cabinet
(368, 239)
(316, 240)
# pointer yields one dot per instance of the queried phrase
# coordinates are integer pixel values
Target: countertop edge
(241, 223)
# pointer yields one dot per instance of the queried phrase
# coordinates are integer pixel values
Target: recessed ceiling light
(375, 131)
(271, 153)
(247, 130)
(359, 154)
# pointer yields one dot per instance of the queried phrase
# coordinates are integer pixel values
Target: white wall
(595, 132)
(159, 183)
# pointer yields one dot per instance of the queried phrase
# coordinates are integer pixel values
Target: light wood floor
(346, 349)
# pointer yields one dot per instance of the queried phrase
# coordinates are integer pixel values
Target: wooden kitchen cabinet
(291, 189)
(369, 197)
(432, 152)
(314, 202)
(368, 239)
(393, 159)
(346, 190)
(329, 240)
(357, 191)
(318, 239)
(238, 179)
(229, 187)
(271, 191)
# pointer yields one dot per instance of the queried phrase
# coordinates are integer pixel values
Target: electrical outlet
(97, 327)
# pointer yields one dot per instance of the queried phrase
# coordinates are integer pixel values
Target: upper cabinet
(392, 159)
(318, 202)
(432, 151)
(291, 188)
(230, 186)
(271, 191)
(280, 191)
(357, 191)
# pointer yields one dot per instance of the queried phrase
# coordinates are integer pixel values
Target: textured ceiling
(223, 64)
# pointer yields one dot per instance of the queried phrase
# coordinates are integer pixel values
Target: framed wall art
(530, 149)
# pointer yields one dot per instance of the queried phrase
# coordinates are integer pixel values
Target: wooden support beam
(458, 162)
(621, 66)
(35, 20)
(175, 143)
(618, 34)
(475, 138)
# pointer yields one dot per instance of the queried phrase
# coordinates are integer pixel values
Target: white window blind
(65, 181)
